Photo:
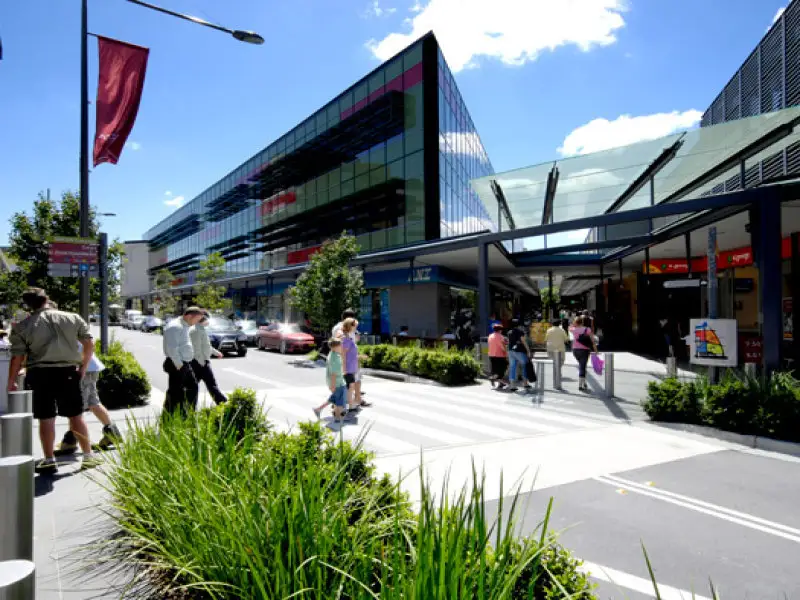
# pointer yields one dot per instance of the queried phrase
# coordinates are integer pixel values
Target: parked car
(226, 337)
(151, 323)
(135, 322)
(285, 337)
(250, 329)
(128, 316)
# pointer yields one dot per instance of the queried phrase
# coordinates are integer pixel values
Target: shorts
(349, 379)
(89, 390)
(56, 392)
(499, 366)
(339, 396)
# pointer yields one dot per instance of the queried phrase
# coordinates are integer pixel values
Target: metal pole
(609, 374)
(550, 295)
(484, 292)
(540, 373)
(84, 153)
(557, 369)
(16, 433)
(16, 498)
(103, 260)
(17, 580)
(713, 287)
(20, 402)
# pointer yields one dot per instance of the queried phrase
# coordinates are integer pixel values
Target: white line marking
(255, 377)
(716, 507)
(637, 584)
(432, 407)
(706, 511)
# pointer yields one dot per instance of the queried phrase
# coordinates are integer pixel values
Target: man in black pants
(182, 390)
(201, 365)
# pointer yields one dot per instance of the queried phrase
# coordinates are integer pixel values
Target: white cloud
(512, 31)
(778, 14)
(602, 134)
(135, 146)
(416, 8)
(467, 143)
(174, 201)
(376, 10)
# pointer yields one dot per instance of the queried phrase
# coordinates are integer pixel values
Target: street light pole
(84, 152)
(249, 37)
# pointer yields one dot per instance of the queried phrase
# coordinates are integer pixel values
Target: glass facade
(462, 158)
(358, 165)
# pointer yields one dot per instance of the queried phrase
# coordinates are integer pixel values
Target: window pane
(412, 56)
(347, 188)
(394, 69)
(413, 120)
(360, 93)
(335, 192)
(377, 176)
(394, 148)
(376, 82)
(377, 155)
(396, 170)
(347, 171)
(346, 102)
(362, 163)
(362, 182)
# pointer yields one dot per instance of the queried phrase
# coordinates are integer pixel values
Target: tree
(211, 295)
(165, 303)
(329, 285)
(28, 248)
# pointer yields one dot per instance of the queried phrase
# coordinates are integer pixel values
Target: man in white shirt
(201, 364)
(182, 387)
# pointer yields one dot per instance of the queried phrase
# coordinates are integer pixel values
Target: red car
(286, 337)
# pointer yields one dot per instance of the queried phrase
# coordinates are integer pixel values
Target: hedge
(767, 407)
(450, 367)
(216, 504)
(123, 383)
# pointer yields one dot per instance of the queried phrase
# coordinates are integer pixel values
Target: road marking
(239, 373)
(637, 584)
(720, 512)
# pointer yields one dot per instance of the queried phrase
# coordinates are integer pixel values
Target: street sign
(59, 270)
(72, 270)
(63, 252)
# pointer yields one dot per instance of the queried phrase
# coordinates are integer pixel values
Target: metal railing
(17, 570)
(554, 360)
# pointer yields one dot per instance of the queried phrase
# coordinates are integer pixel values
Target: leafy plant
(165, 303)
(673, 400)
(211, 295)
(449, 367)
(123, 383)
(329, 285)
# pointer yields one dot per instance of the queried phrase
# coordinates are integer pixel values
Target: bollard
(394, 340)
(20, 402)
(16, 434)
(540, 375)
(672, 366)
(750, 369)
(557, 370)
(446, 345)
(609, 374)
(16, 517)
(17, 580)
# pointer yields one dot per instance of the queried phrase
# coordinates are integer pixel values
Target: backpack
(585, 339)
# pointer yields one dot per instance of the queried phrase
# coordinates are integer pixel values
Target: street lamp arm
(244, 36)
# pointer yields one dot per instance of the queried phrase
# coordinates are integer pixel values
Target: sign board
(752, 348)
(713, 342)
(788, 320)
(63, 252)
(72, 270)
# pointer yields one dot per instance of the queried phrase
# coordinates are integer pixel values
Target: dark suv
(226, 337)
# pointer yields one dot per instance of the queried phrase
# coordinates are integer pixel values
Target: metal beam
(502, 203)
(647, 175)
(550, 195)
(628, 241)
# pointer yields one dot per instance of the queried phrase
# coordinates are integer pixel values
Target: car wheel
(242, 352)
(284, 348)
(259, 344)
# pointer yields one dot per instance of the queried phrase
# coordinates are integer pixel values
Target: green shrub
(240, 414)
(672, 400)
(123, 383)
(448, 367)
(731, 405)
(205, 514)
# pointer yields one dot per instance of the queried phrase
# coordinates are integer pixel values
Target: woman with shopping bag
(582, 346)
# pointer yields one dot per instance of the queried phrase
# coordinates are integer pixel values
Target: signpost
(713, 288)
(73, 257)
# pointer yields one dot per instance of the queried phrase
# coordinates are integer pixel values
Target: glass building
(388, 160)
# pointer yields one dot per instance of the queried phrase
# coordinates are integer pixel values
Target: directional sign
(62, 252)
(59, 270)
(72, 270)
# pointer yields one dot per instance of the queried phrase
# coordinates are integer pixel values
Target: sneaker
(90, 461)
(111, 438)
(68, 445)
(317, 413)
(46, 465)
(365, 404)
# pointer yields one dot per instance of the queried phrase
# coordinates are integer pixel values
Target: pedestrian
(582, 346)
(179, 353)
(498, 356)
(351, 363)
(556, 340)
(91, 402)
(334, 375)
(338, 334)
(47, 342)
(518, 355)
(201, 363)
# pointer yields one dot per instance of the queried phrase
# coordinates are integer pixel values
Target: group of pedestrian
(188, 352)
(343, 370)
(54, 350)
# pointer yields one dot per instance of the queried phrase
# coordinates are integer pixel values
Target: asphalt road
(729, 515)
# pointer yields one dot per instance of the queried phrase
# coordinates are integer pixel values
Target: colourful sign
(713, 342)
(739, 257)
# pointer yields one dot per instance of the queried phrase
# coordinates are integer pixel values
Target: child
(334, 375)
(498, 355)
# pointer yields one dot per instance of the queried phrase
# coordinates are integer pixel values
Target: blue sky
(542, 78)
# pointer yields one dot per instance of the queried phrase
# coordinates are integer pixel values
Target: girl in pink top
(582, 346)
(498, 355)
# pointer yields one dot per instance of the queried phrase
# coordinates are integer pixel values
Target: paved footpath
(701, 508)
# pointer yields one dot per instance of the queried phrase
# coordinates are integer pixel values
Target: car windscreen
(218, 323)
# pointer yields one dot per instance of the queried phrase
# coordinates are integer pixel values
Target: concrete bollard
(16, 516)
(557, 356)
(17, 580)
(750, 369)
(540, 375)
(16, 434)
(20, 402)
(672, 366)
(608, 357)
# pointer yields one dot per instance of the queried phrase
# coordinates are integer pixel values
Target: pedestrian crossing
(406, 418)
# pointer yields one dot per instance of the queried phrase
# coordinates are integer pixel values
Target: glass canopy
(682, 166)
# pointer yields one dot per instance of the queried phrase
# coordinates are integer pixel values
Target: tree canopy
(165, 303)
(329, 285)
(211, 295)
(28, 249)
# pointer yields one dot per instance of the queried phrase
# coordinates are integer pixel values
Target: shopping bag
(597, 364)
(530, 372)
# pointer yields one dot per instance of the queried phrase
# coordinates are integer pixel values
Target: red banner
(119, 91)
(740, 257)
